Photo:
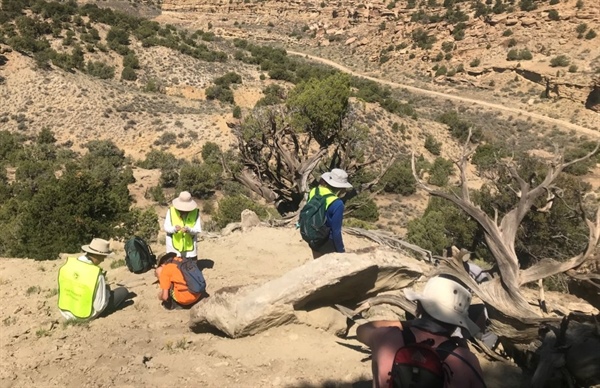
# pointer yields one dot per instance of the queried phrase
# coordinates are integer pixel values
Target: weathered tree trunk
(511, 314)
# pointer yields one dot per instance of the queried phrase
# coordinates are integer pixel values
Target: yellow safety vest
(183, 242)
(77, 283)
(323, 191)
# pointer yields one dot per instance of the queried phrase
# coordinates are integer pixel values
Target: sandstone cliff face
(382, 31)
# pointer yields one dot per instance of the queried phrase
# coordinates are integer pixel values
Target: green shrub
(525, 55)
(487, 156)
(560, 61)
(553, 15)
(363, 207)
(440, 172)
(159, 159)
(459, 128)
(573, 69)
(591, 34)
(228, 79)
(131, 60)
(448, 46)
(432, 145)
(167, 138)
(200, 180)
(527, 5)
(220, 93)
(507, 32)
(475, 62)
(128, 74)
(230, 209)
(156, 194)
(399, 179)
(100, 70)
(441, 71)
(581, 28)
(422, 39)
(237, 112)
(515, 55)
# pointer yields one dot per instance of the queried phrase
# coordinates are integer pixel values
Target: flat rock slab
(333, 278)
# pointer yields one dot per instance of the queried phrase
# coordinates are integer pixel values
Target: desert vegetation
(306, 118)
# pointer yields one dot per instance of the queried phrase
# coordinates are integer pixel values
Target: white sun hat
(447, 301)
(337, 178)
(184, 202)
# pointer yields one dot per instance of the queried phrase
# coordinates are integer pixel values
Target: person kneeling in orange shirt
(174, 292)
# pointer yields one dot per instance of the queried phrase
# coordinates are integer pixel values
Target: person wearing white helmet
(442, 310)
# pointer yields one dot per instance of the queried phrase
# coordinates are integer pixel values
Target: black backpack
(312, 220)
(138, 255)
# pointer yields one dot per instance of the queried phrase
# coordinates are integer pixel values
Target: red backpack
(419, 364)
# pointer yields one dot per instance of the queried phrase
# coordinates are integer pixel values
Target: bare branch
(551, 267)
(386, 239)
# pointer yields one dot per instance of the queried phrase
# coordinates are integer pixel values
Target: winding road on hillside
(566, 124)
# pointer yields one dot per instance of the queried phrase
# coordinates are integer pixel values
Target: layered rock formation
(383, 31)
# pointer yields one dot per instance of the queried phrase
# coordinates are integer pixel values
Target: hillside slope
(145, 345)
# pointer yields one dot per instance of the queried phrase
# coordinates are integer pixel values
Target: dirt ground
(144, 345)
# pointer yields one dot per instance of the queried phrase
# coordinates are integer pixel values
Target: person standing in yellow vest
(182, 225)
(333, 182)
(82, 290)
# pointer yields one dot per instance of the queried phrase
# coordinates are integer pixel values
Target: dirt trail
(565, 124)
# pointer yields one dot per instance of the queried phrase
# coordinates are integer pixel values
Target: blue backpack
(192, 275)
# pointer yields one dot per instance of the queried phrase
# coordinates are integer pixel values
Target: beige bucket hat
(447, 301)
(337, 178)
(184, 202)
(98, 246)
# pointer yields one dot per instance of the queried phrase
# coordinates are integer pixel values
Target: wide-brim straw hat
(98, 246)
(447, 301)
(337, 178)
(184, 202)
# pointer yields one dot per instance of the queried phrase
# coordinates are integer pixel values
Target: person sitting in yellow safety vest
(182, 225)
(82, 290)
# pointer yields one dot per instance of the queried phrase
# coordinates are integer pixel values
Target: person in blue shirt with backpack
(426, 351)
(332, 186)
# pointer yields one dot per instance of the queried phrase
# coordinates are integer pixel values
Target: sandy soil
(144, 345)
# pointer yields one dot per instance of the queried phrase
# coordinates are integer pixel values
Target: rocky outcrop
(337, 278)
(372, 30)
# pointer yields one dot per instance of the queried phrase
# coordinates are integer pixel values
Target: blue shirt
(335, 216)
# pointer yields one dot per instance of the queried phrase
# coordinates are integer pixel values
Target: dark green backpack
(312, 220)
(138, 255)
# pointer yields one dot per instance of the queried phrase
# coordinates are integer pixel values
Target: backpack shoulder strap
(447, 348)
(407, 335)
